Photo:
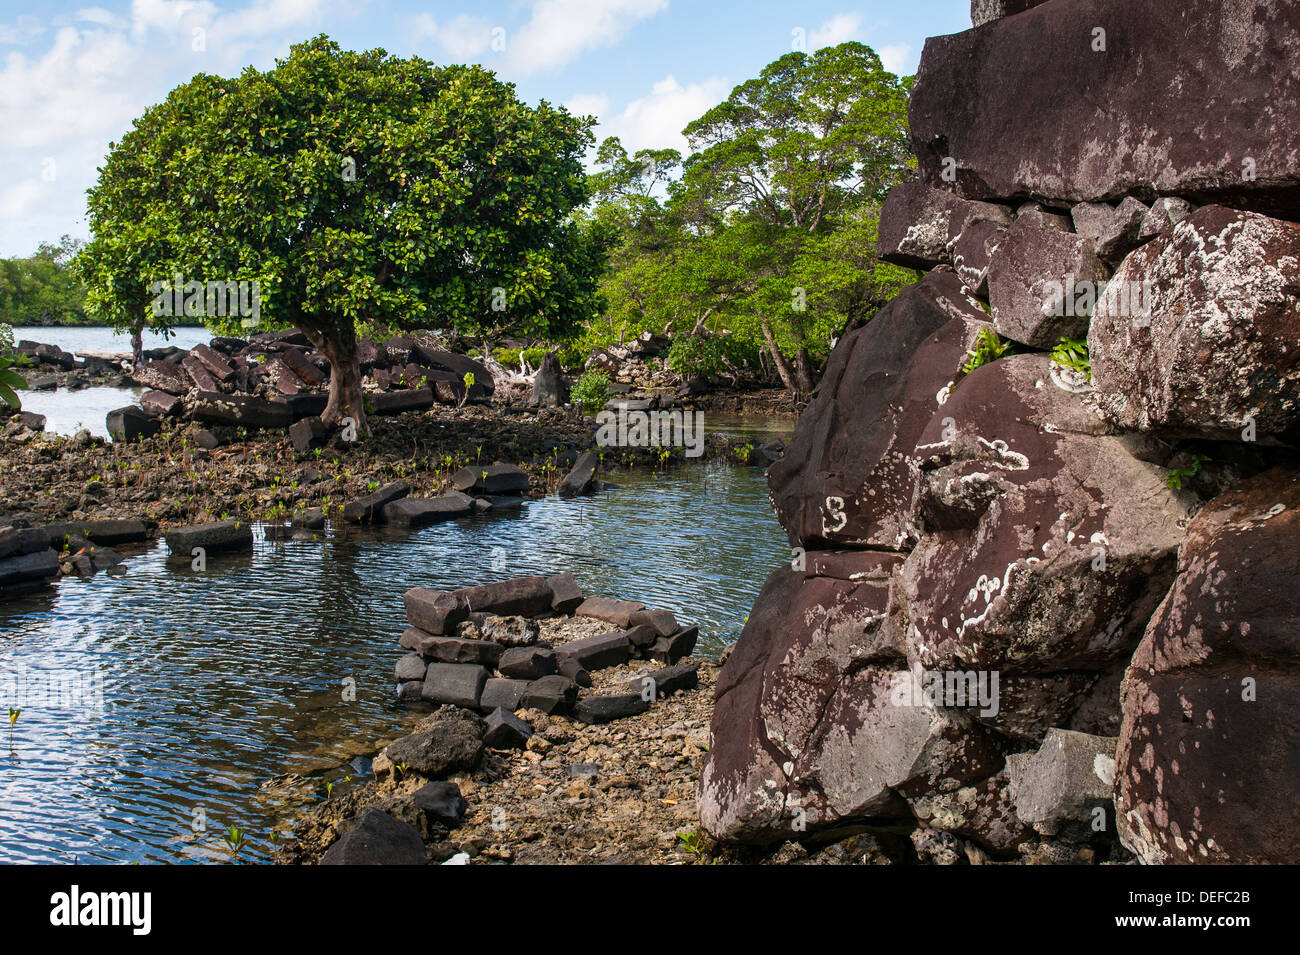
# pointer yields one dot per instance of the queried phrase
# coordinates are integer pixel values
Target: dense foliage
(42, 289)
(362, 192)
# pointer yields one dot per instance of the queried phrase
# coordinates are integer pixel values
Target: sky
(73, 76)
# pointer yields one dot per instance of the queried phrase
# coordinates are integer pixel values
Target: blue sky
(73, 75)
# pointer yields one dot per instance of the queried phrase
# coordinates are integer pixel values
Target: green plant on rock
(988, 348)
(10, 382)
(1072, 353)
(234, 838)
(591, 391)
(694, 843)
(1174, 477)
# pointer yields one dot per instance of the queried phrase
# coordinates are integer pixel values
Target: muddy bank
(258, 476)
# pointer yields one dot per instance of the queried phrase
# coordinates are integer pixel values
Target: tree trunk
(779, 360)
(803, 370)
(137, 346)
(345, 397)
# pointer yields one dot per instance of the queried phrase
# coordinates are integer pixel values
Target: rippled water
(214, 682)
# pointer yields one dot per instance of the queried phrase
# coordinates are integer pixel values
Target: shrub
(988, 348)
(591, 391)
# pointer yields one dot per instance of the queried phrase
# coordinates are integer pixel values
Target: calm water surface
(160, 702)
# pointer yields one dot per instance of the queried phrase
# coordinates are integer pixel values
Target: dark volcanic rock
(131, 424)
(506, 731)
(596, 652)
(1209, 761)
(491, 479)
(549, 390)
(617, 612)
(377, 839)
(1038, 278)
(526, 663)
(1004, 102)
(214, 537)
(422, 511)
(453, 741)
(460, 684)
(441, 802)
(566, 595)
(550, 694)
(581, 478)
(369, 508)
(242, 410)
(434, 611)
(1047, 544)
(605, 708)
(850, 472)
(1154, 368)
(529, 596)
(162, 376)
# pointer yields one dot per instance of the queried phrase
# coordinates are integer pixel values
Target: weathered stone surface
(598, 651)
(566, 595)
(676, 645)
(1208, 763)
(113, 531)
(803, 703)
(1217, 339)
(1038, 279)
(159, 404)
(550, 694)
(605, 708)
(217, 365)
(849, 474)
(24, 540)
(131, 424)
(617, 612)
(162, 376)
(666, 681)
(1164, 214)
(302, 366)
(242, 410)
(526, 663)
(503, 694)
(441, 802)
(914, 222)
(491, 479)
(410, 667)
(1003, 101)
(973, 251)
(1119, 236)
(661, 621)
(982, 812)
(574, 670)
(396, 402)
(506, 731)
(422, 511)
(446, 649)
(308, 433)
(434, 611)
(460, 684)
(510, 631)
(1047, 544)
(549, 390)
(451, 742)
(369, 508)
(1056, 789)
(33, 567)
(213, 537)
(199, 374)
(581, 478)
(529, 596)
(986, 11)
(377, 839)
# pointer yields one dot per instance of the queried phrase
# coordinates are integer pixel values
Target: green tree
(43, 289)
(784, 185)
(363, 192)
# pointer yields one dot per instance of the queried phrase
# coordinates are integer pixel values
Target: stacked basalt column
(1118, 551)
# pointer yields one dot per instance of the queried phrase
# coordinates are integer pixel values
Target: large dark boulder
(451, 741)
(1027, 107)
(1208, 765)
(849, 473)
(376, 838)
(1047, 544)
(816, 723)
(491, 479)
(1215, 339)
(242, 410)
(131, 424)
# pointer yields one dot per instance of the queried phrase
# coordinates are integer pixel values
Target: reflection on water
(212, 683)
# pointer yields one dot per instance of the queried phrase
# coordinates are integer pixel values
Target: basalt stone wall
(1040, 598)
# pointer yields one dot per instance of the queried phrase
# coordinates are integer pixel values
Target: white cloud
(26, 29)
(897, 58)
(462, 39)
(655, 121)
(16, 200)
(838, 29)
(559, 30)
(588, 104)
